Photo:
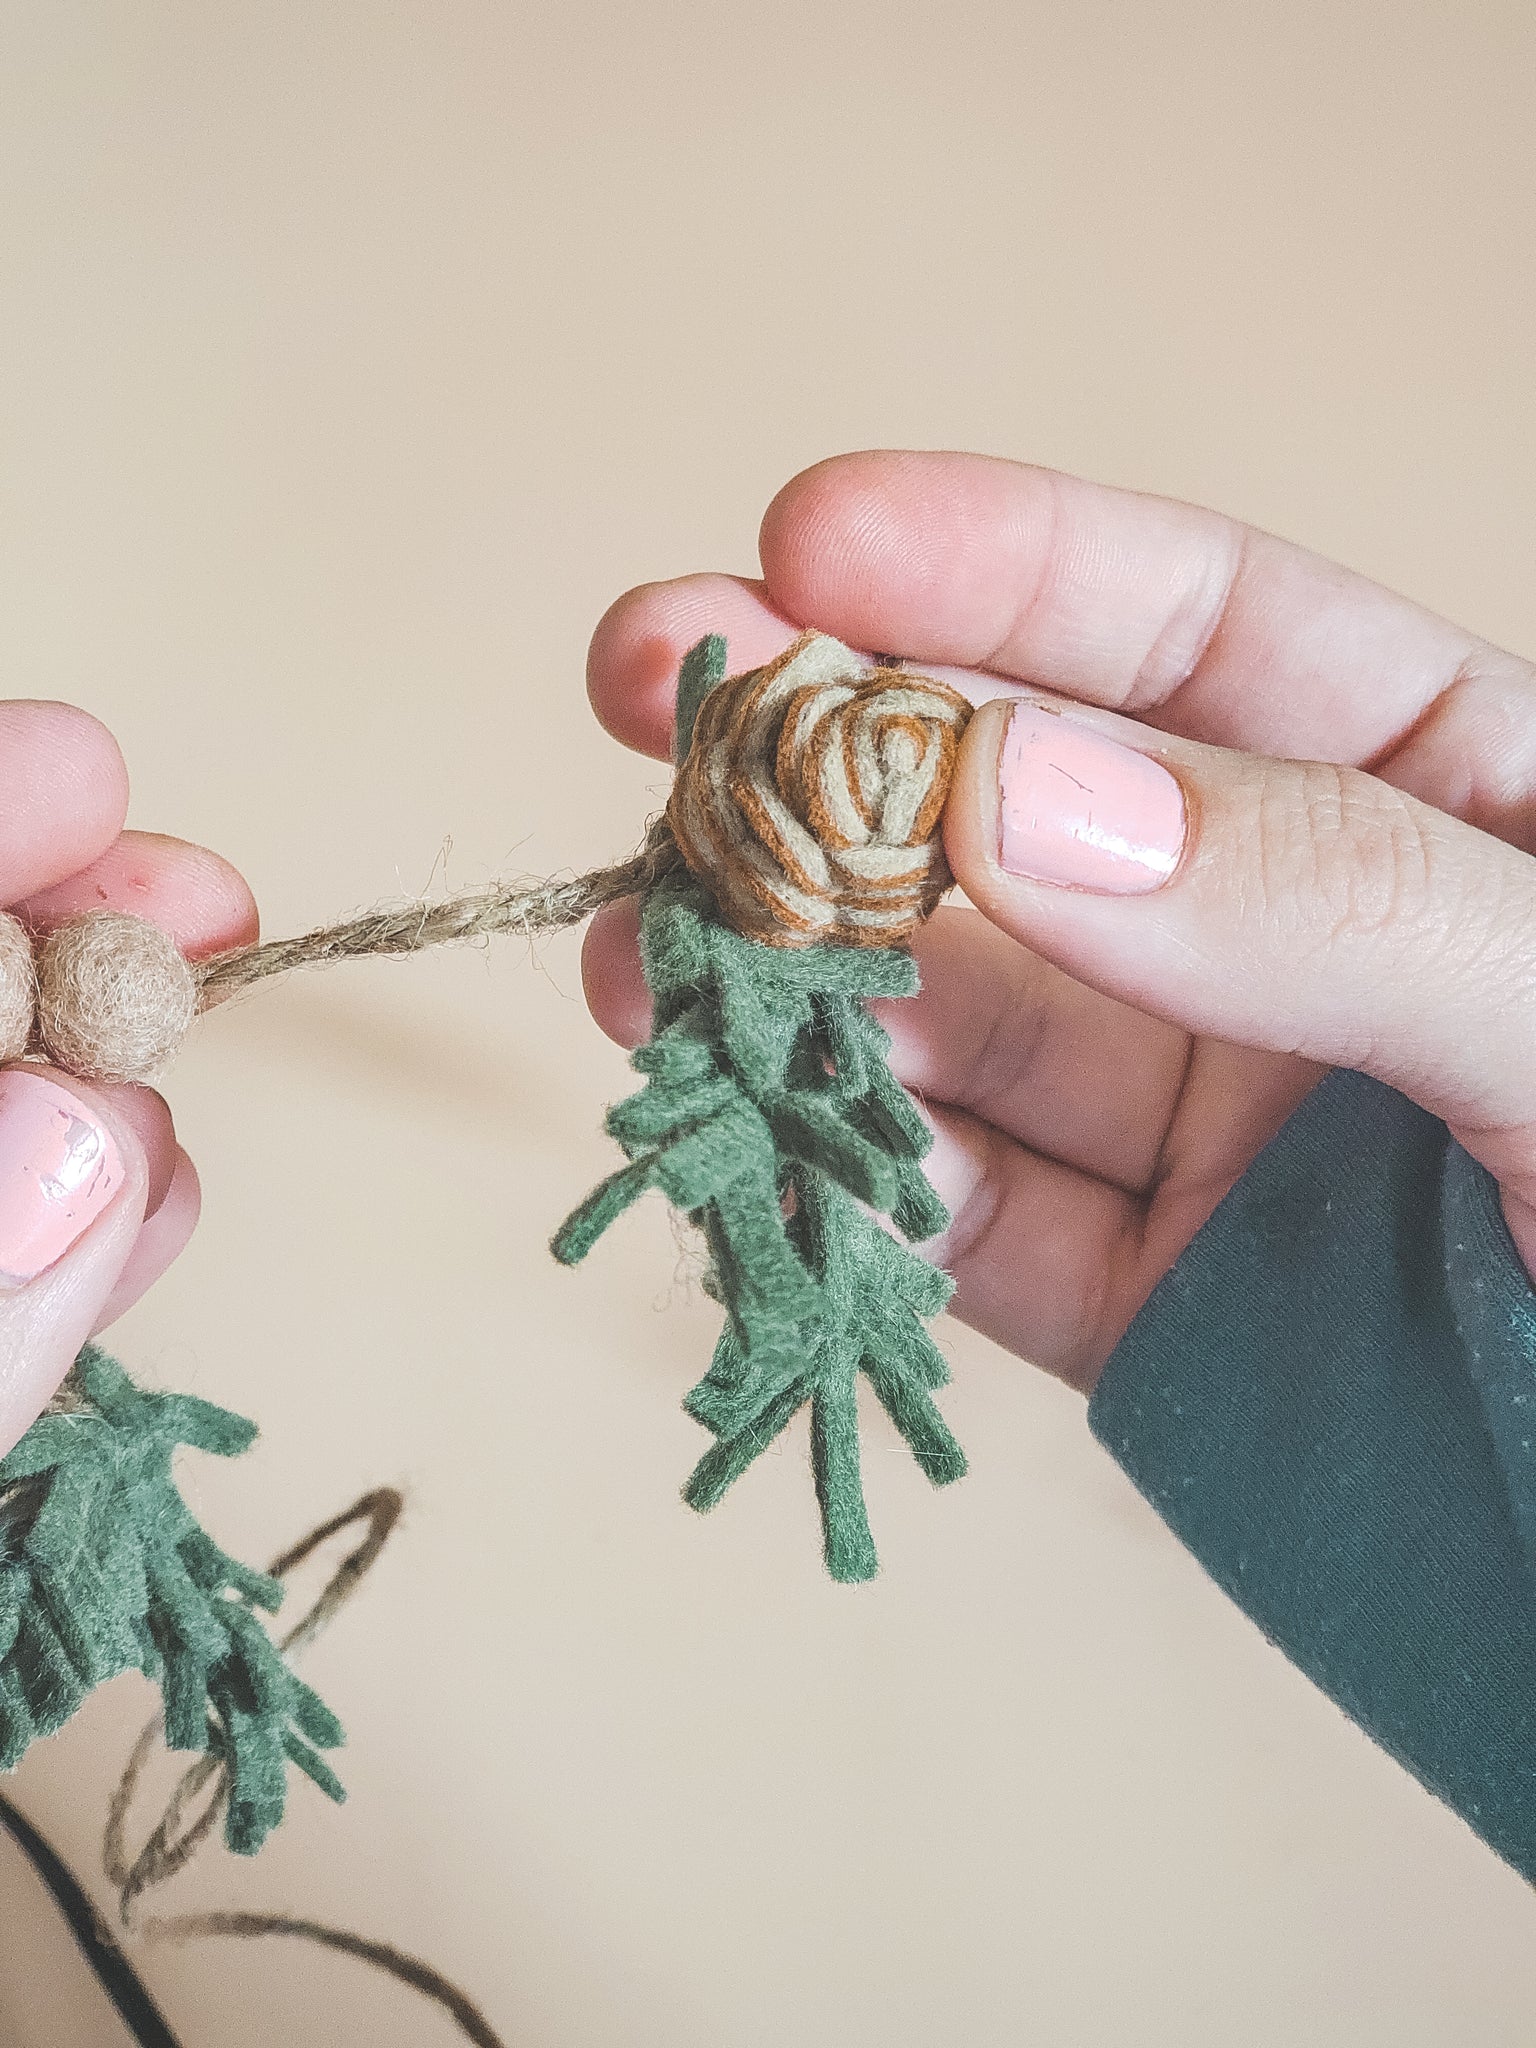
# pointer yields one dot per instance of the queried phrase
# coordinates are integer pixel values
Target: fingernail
(1083, 811)
(59, 1169)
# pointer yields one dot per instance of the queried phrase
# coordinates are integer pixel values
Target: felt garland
(799, 852)
(769, 1113)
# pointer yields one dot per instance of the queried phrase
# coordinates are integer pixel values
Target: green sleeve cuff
(1331, 1400)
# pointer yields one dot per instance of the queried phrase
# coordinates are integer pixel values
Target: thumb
(1293, 905)
(74, 1182)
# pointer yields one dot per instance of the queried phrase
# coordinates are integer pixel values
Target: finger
(73, 1184)
(638, 648)
(612, 979)
(1168, 611)
(1295, 906)
(160, 1243)
(995, 1031)
(63, 794)
(1047, 1261)
(147, 1114)
(641, 639)
(198, 898)
(1061, 1069)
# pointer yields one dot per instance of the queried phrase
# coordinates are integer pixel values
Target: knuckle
(1341, 857)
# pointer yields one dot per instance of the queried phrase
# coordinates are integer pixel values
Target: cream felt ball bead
(18, 989)
(114, 997)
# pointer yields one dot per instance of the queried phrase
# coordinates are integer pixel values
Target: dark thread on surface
(406, 1969)
(111, 1968)
(174, 1839)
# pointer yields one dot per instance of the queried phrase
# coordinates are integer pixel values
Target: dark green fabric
(104, 1569)
(771, 1117)
(1331, 1399)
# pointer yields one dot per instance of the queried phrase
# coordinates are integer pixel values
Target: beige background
(354, 357)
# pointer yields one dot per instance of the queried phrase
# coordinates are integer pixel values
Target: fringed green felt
(771, 1116)
(104, 1569)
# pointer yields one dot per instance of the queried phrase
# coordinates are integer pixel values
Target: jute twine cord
(809, 803)
(525, 911)
(109, 996)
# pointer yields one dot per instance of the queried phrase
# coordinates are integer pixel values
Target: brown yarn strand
(108, 996)
(406, 1969)
(528, 911)
(381, 1510)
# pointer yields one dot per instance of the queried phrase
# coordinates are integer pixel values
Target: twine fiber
(808, 803)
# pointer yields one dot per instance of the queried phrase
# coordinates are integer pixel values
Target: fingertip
(971, 815)
(201, 899)
(63, 792)
(194, 895)
(838, 540)
(640, 641)
(146, 1113)
(161, 1241)
(816, 504)
(83, 751)
(626, 683)
(915, 552)
(612, 978)
(138, 1118)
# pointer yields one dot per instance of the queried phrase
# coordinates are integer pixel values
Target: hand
(96, 1196)
(1338, 871)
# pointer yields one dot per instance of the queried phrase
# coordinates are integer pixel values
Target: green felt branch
(770, 1115)
(104, 1569)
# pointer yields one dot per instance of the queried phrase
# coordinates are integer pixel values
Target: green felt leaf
(104, 1569)
(770, 1116)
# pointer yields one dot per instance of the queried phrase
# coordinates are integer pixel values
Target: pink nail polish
(1083, 811)
(58, 1170)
